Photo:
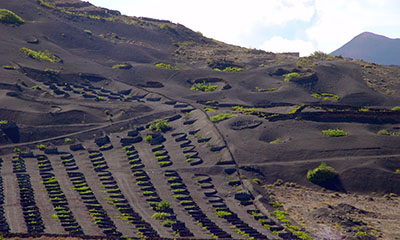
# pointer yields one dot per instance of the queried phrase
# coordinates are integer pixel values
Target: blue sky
(301, 26)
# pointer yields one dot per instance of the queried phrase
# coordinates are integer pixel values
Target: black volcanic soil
(107, 84)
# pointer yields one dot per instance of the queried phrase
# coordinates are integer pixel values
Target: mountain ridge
(372, 47)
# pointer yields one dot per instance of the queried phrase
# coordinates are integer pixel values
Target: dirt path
(12, 207)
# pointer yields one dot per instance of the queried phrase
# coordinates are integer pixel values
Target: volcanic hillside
(124, 126)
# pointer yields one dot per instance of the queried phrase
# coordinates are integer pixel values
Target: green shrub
(383, 132)
(122, 66)
(397, 108)
(167, 66)
(295, 109)
(168, 223)
(361, 234)
(6, 16)
(88, 32)
(161, 215)
(37, 87)
(281, 216)
(2, 122)
(256, 181)
(16, 150)
(41, 147)
(67, 140)
(148, 138)
(232, 69)
(321, 174)
(8, 67)
(277, 141)
(326, 96)
(290, 76)
(45, 56)
(47, 4)
(275, 204)
(160, 125)
(203, 87)
(163, 205)
(223, 214)
(334, 133)
(207, 109)
(165, 163)
(220, 117)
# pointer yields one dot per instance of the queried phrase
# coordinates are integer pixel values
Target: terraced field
(115, 185)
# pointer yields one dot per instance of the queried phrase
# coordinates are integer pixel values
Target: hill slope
(111, 115)
(372, 48)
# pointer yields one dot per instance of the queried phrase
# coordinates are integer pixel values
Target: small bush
(148, 138)
(45, 56)
(41, 147)
(167, 66)
(3, 122)
(8, 17)
(165, 163)
(232, 69)
(203, 87)
(8, 67)
(277, 141)
(281, 216)
(163, 205)
(16, 150)
(275, 204)
(290, 76)
(383, 132)
(222, 116)
(334, 133)
(397, 108)
(256, 181)
(223, 214)
(210, 109)
(321, 174)
(88, 32)
(67, 140)
(168, 223)
(160, 125)
(122, 66)
(161, 215)
(326, 96)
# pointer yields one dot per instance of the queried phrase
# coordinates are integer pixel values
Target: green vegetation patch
(8, 67)
(167, 66)
(321, 174)
(122, 66)
(204, 87)
(296, 109)
(397, 108)
(277, 141)
(207, 109)
(8, 17)
(45, 55)
(161, 215)
(223, 214)
(3, 122)
(334, 133)
(290, 76)
(384, 132)
(88, 32)
(160, 125)
(326, 96)
(222, 116)
(232, 69)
